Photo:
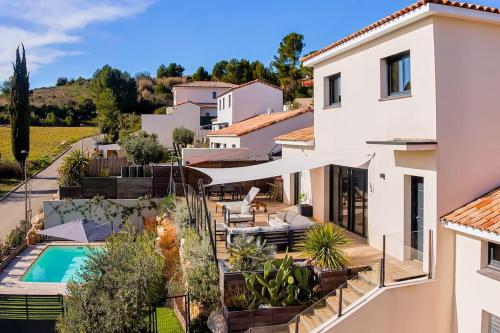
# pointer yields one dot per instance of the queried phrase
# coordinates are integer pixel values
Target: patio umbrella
(81, 230)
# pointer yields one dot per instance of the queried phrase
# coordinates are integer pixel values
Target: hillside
(61, 96)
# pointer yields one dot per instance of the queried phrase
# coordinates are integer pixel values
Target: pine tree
(19, 109)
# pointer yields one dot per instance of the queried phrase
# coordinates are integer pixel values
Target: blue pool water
(57, 264)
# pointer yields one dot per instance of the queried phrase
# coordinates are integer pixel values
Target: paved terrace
(360, 253)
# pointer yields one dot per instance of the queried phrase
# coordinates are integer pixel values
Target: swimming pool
(57, 263)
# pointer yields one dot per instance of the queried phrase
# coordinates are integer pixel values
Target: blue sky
(73, 38)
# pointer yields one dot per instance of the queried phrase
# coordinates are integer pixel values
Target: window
(224, 145)
(493, 324)
(224, 103)
(229, 101)
(214, 94)
(494, 255)
(398, 74)
(234, 146)
(220, 104)
(334, 89)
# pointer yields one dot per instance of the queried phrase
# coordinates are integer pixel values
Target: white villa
(245, 101)
(416, 93)
(195, 106)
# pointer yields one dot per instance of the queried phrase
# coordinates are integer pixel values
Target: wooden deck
(360, 253)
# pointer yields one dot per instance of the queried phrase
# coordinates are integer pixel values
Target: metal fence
(170, 315)
(30, 313)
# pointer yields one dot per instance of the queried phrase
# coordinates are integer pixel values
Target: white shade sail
(305, 160)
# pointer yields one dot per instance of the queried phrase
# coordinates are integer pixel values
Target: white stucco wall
(196, 94)
(475, 293)
(187, 115)
(249, 101)
(261, 142)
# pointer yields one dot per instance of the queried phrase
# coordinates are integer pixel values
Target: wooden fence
(109, 166)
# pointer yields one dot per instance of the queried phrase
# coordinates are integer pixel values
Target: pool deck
(10, 276)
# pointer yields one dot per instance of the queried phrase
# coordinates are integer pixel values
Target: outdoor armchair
(235, 206)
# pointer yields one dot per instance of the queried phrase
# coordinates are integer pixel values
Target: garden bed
(6, 260)
(329, 280)
(242, 320)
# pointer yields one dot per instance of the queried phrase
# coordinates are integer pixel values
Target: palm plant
(323, 246)
(73, 168)
(245, 254)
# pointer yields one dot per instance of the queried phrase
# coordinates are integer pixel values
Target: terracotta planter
(240, 321)
(31, 239)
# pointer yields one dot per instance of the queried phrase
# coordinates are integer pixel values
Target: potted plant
(323, 248)
(305, 209)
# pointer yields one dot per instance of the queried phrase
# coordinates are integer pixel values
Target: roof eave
(308, 143)
(402, 21)
(471, 231)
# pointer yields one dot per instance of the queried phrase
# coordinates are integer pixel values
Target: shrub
(10, 170)
(167, 204)
(180, 217)
(121, 282)
(143, 148)
(245, 254)
(183, 136)
(322, 246)
(73, 168)
(16, 236)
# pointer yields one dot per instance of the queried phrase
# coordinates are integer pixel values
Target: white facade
(261, 141)
(453, 101)
(186, 115)
(248, 100)
(197, 94)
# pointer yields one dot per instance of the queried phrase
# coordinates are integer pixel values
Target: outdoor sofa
(284, 229)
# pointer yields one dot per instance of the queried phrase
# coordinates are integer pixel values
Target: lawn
(46, 142)
(167, 321)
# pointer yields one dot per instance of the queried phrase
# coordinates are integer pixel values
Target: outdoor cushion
(277, 223)
(290, 215)
(274, 228)
(248, 230)
(300, 222)
(281, 215)
(245, 209)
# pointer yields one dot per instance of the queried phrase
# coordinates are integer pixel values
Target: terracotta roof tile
(397, 14)
(249, 83)
(304, 134)
(207, 84)
(258, 122)
(482, 213)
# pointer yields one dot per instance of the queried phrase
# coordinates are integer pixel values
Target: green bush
(323, 246)
(121, 282)
(16, 236)
(183, 136)
(180, 217)
(167, 204)
(10, 170)
(73, 168)
(245, 254)
(143, 148)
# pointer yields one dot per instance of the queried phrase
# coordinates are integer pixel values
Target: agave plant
(323, 246)
(245, 254)
(73, 168)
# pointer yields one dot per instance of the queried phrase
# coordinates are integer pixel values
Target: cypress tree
(20, 109)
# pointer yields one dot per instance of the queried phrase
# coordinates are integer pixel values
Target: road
(43, 187)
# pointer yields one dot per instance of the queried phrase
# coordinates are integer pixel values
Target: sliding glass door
(349, 198)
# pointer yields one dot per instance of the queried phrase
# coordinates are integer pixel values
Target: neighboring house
(194, 108)
(256, 133)
(245, 101)
(417, 92)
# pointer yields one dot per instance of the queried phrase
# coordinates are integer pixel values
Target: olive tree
(143, 148)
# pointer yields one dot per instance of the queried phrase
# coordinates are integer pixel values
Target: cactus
(289, 286)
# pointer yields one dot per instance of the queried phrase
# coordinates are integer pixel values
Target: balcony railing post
(297, 321)
(382, 264)
(430, 254)
(340, 300)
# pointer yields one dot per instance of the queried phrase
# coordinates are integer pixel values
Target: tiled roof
(304, 134)
(249, 83)
(201, 105)
(207, 84)
(258, 122)
(482, 213)
(397, 14)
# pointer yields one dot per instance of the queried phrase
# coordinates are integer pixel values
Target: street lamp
(25, 153)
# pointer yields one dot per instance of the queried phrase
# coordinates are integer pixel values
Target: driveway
(43, 187)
